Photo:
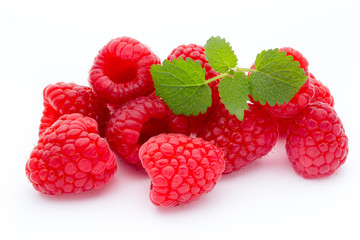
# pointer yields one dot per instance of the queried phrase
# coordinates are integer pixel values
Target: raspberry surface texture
(317, 144)
(181, 168)
(197, 53)
(70, 157)
(241, 141)
(322, 93)
(66, 98)
(121, 70)
(136, 121)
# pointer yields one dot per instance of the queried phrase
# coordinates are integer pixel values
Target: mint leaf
(182, 86)
(220, 55)
(277, 77)
(234, 94)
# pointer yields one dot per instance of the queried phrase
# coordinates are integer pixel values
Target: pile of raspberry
(85, 130)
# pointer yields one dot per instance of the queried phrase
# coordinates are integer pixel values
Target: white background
(47, 42)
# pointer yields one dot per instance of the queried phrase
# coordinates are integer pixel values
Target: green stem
(217, 77)
(238, 69)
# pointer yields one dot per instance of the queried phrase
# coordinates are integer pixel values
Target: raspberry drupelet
(322, 93)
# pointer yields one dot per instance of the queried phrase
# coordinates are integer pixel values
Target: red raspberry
(316, 144)
(197, 53)
(136, 121)
(65, 98)
(121, 70)
(181, 168)
(241, 141)
(302, 98)
(70, 157)
(322, 93)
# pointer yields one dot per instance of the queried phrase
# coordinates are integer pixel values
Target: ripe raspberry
(121, 70)
(181, 168)
(136, 121)
(197, 53)
(322, 93)
(70, 157)
(302, 98)
(65, 98)
(241, 141)
(317, 144)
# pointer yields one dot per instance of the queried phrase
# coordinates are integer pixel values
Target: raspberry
(302, 98)
(136, 121)
(121, 70)
(181, 168)
(70, 157)
(65, 98)
(241, 141)
(322, 93)
(317, 144)
(197, 53)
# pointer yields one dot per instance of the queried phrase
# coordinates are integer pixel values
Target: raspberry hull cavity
(136, 121)
(120, 71)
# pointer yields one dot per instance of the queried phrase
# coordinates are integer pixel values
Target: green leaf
(181, 84)
(277, 77)
(220, 55)
(234, 94)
